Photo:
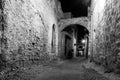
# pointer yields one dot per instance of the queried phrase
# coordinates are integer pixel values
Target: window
(53, 39)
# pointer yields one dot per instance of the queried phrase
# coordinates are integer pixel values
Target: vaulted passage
(59, 39)
(75, 39)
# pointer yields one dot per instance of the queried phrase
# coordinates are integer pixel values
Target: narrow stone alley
(59, 39)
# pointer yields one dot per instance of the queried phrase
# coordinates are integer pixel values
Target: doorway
(67, 46)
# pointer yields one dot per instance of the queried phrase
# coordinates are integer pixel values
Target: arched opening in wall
(75, 41)
(53, 41)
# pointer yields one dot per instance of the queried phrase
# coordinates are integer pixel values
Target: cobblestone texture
(62, 70)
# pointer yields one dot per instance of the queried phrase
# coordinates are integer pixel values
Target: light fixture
(83, 41)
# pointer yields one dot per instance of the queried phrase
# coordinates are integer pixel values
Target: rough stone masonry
(26, 30)
(105, 23)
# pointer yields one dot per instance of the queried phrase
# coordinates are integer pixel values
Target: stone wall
(105, 28)
(83, 21)
(65, 42)
(27, 30)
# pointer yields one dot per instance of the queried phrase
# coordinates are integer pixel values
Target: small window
(53, 39)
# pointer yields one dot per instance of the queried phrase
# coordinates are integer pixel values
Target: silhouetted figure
(70, 54)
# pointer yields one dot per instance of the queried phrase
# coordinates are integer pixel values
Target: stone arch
(66, 23)
(83, 21)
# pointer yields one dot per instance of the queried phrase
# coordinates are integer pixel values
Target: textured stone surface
(27, 30)
(105, 30)
(66, 22)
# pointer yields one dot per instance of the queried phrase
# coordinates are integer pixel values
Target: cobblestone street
(61, 70)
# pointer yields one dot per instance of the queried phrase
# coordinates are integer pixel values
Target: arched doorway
(75, 37)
